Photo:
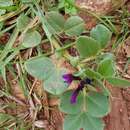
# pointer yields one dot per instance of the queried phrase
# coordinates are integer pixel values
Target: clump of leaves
(86, 105)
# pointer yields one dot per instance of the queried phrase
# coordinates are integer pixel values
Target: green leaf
(4, 3)
(61, 4)
(26, 1)
(4, 117)
(92, 74)
(55, 22)
(98, 83)
(118, 82)
(2, 11)
(40, 67)
(82, 120)
(106, 67)
(98, 101)
(22, 22)
(67, 6)
(87, 46)
(107, 55)
(55, 83)
(67, 107)
(86, 104)
(102, 34)
(70, 10)
(74, 26)
(31, 39)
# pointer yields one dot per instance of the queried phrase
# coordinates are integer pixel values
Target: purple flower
(68, 78)
(75, 94)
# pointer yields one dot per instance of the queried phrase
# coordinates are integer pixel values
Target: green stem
(66, 46)
(9, 45)
(84, 100)
(12, 14)
(7, 29)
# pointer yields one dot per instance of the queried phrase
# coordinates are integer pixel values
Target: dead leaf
(41, 123)
(126, 47)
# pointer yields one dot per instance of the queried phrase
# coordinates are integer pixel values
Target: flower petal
(76, 92)
(73, 99)
(68, 78)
